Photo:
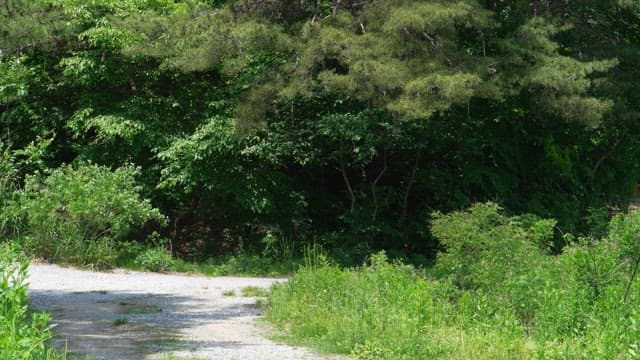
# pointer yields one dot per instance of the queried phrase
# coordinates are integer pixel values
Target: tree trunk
(345, 177)
(633, 277)
(405, 203)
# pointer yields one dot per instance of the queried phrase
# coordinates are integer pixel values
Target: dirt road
(129, 315)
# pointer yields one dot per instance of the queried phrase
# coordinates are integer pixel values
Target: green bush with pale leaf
(77, 214)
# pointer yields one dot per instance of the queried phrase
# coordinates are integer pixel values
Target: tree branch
(374, 183)
(345, 177)
(405, 204)
(605, 156)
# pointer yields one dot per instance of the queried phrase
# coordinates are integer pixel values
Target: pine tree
(26, 25)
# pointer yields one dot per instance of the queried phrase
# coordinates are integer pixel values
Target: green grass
(384, 312)
(164, 340)
(392, 311)
(243, 265)
(120, 321)
(254, 291)
(228, 293)
(136, 256)
(137, 305)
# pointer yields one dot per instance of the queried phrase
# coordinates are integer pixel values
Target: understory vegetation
(497, 292)
(23, 333)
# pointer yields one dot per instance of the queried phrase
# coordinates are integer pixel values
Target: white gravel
(135, 315)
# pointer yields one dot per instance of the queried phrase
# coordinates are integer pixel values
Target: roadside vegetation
(86, 215)
(495, 292)
(24, 334)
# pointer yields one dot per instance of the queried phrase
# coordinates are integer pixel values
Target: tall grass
(382, 311)
(497, 293)
(23, 333)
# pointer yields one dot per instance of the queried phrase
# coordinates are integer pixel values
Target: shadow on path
(133, 325)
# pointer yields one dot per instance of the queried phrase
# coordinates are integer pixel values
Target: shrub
(77, 214)
(625, 231)
(484, 249)
(154, 259)
(488, 251)
(23, 334)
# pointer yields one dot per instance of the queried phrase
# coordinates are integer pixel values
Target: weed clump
(254, 291)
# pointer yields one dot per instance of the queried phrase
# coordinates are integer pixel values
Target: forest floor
(135, 315)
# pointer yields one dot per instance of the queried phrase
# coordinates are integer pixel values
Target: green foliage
(150, 255)
(23, 333)
(154, 259)
(509, 303)
(77, 214)
(399, 62)
(277, 247)
(339, 122)
(240, 264)
(483, 248)
(381, 311)
(14, 79)
(198, 38)
(30, 25)
(261, 127)
(351, 308)
(624, 230)
(8, 187)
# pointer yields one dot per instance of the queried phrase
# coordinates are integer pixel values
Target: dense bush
(23, 333)
(154, 259)
(496, 292)
(484, 248)
(77, 214)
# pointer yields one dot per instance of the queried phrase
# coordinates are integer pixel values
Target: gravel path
(134, 315)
